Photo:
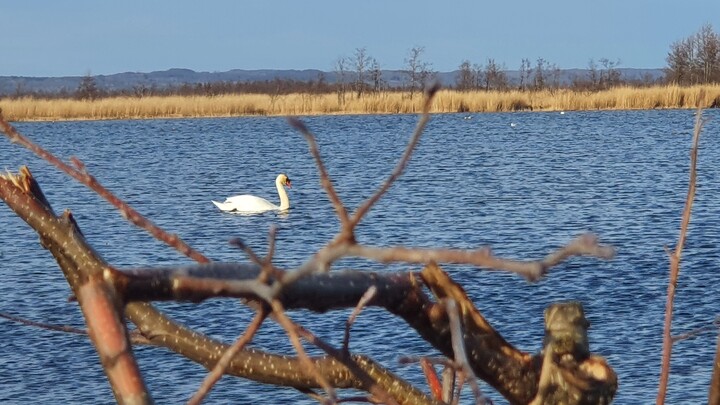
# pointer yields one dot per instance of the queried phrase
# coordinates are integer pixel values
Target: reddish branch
(97, 299)
(81, 175)
(675, 257)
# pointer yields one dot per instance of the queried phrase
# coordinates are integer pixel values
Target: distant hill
(174, 77)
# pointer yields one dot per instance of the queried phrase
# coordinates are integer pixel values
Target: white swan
(251, 204)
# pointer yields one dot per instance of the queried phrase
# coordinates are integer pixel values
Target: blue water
(522, 189)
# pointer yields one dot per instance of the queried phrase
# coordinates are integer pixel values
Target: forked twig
(369, 294)
(675, 260)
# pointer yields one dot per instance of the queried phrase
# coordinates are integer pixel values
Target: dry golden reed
(620, 98)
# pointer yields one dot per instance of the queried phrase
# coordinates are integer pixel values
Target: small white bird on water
(250, 204)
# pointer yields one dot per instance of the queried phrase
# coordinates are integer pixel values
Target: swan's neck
(284, 200)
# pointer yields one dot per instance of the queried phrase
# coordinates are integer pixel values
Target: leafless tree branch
(675, 260)
(89, 181)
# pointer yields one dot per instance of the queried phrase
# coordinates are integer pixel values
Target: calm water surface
(522, 189)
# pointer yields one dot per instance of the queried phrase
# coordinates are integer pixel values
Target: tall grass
(621, 98)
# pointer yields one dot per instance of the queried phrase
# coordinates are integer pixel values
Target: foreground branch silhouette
(562, 371)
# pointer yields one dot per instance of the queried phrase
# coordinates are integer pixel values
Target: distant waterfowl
(467, 117)
(251, 204)
(513, 125)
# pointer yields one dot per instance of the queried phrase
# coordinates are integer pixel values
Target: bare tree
(479, 71)
(555, 76)
(525, 71)
(708, 54)
(418, 72)
(375, 74)
(495, 77)
(593, 75)
(539, 74)
(466, 77)
(341, 77)
(609, 76)
(562, 371)
(361, 62)
(695, 59)
(88, 89)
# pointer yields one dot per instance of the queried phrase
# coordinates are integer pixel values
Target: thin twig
(217, 372)
(545, 375)
(136, 338)
(400, 167)
(584, 245)
(267, 269)
(57, 328)
(458, 345)
(324, 177)
(371, 384)
(89, 181)
(432, 378)
(291, 329)
(238, 243)
(675, 261)
(369, 294)
(697, 331)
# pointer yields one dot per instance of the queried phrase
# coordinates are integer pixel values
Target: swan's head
(284, 180)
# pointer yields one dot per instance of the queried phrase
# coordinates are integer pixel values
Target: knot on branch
(570, 374)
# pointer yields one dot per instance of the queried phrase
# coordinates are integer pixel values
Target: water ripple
(523, 190)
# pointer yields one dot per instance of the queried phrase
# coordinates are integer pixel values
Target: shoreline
(295, 104)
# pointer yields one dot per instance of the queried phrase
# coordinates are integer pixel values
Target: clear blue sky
(56, 38)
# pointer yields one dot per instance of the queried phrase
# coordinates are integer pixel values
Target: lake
(523, 189)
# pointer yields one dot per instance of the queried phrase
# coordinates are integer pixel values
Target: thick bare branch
(99, 304)
(72, 254)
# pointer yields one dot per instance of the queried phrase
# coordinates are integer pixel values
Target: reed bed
(620, 98)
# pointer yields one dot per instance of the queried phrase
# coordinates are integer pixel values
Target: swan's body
(251, 204)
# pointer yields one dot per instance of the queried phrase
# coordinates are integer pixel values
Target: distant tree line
(693, 60)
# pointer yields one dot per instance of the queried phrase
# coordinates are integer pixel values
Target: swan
(251, 204)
